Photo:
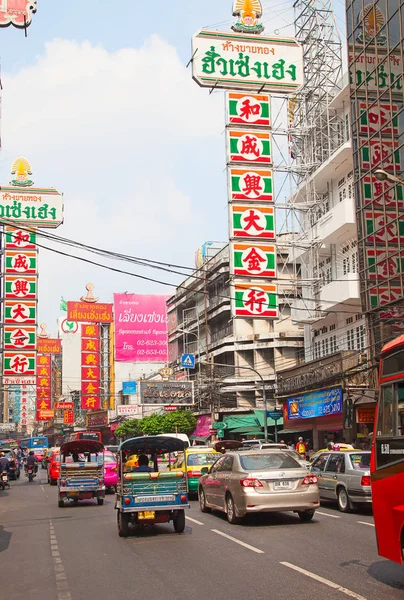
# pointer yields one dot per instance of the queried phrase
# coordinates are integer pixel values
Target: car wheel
(306, 515)
(123, 524)
(100, 501)
(179, 522)
(202, 501)
(61, 504)
(231, 511)
(344, 503)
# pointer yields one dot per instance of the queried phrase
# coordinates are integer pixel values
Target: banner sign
(64, 405)
(255, 300)
(244, 62)
(90, 367)
(18, 338)
(49, 346)
(140, 328)
(366, 415)
(175, 393)
(16, 363)
(242, 109)
(20, 287)
(33, 207)
(97, 419)
(253, 221)
(86, 312)
(251, 184)
(17, 239)
(254, 260)
(316, 404)
(127, 410)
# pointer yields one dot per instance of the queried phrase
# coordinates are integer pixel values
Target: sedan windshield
(206, 458)
(263, 462)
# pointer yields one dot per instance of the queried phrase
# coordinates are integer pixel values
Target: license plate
(282, 485)
(152, 499)
(4, 477)
(147, 514)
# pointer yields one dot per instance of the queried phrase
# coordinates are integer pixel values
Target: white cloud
(132, 142)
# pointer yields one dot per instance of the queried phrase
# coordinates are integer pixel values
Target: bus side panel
(388, 515)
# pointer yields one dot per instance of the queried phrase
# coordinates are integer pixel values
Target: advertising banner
(140, 328)
(316, 404)
(49, 346)
(33, 207)
(173, 393)
(89, 313)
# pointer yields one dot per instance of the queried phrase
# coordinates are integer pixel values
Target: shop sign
(20, 287)
(365, 415)
(49, 345)
(127, 410)
(129, 387)
(244, 62)
(45, 414)
(64, 405)
(255, 300)
(90, 367)
(380, 154)
(34, 207)
(17, 239)
(384, 227)
(250, 184)
(382, 193)
(365, 77)
(18, 262)
(97, 419)
(376, 118)
(20, 312)
(384, 265)
(395, 312)
(19, 364)
(17, 13)
(19, 380)
(243, 109)
(89, 312)
(316, 404)
(68, 417)
(254, 221)
(250, 146)
(175, 393)
(19, 338)
(254, 260)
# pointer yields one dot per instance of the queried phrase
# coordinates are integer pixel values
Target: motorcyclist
(4, 466)
(32, 461)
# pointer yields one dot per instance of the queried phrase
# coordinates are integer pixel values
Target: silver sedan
(245, 482)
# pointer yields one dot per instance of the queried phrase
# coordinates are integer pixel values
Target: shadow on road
(5, 537)
(388, 573)
(271, 519)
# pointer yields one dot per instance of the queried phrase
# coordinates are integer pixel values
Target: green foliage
(180, 421)
(152, 425)
(128, 429)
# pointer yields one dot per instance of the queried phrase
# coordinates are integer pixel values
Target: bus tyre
(123, 524)
(100, 501)
(344, 503)
(179, 522)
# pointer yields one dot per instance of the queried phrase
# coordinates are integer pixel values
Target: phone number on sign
(151, 343)
(151, 353)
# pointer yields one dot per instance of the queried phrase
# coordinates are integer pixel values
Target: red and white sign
(127, 410)
(17, 12)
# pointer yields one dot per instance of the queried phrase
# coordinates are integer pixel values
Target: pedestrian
(282, 441)
(291, 445)
(300, 447)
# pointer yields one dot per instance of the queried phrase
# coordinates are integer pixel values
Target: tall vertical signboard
(376, 87)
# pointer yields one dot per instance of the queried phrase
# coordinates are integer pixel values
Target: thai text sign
(86, 312)
(243, 62)
(33, 207)
(97, 419)
(126, 410)
(140, 328)
(316, 404)
(17, 13)
(49, 345)
(175, 393)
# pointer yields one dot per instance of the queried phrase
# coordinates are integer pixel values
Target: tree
(128, 429)
(180, 421)
(152, 425)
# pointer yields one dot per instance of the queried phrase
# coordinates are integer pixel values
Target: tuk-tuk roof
(226, 445)
(79, 446)
(152, 444)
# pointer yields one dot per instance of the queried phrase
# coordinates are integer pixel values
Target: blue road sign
(188, 361)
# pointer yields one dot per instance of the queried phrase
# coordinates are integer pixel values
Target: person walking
(301, 447)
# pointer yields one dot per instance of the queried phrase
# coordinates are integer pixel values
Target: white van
(180, 436)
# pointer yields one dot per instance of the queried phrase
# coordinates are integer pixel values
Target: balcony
(338, 224)
(345, 290)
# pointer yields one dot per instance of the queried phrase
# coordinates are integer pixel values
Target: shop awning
(259, 415)
(248, 430)
(235, 421)
(293, 430)
(196, 438)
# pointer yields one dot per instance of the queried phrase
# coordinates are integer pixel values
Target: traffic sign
(220, 434)
(218, 425)
(275, 415)
(188, 361)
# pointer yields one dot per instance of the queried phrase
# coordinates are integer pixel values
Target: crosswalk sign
(188, 361)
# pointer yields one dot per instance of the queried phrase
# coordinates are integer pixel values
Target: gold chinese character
(91, 359)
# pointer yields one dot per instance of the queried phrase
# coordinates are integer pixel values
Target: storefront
(365, 416)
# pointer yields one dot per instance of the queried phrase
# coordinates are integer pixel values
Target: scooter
(4, 480)
(31, 473)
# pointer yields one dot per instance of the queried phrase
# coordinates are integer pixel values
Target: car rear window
(262, 462)
(360, 461)
(205, 458)
(109, 459)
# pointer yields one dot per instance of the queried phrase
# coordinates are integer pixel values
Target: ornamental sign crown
(21, 169)
(248, 12)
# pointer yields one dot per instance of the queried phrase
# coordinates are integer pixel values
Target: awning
(248, 430)
(259, 415)
(196, 438)
(236, 421)
(293, 431)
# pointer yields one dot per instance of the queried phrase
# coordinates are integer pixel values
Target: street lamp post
(382, 175)
(264, 398)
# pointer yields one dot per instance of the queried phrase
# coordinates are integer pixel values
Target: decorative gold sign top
(89, 297)
(248, 12)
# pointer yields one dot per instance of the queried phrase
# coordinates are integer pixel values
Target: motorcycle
(31, 473)
(4, 480)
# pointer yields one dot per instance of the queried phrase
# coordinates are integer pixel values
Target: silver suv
(344, 477)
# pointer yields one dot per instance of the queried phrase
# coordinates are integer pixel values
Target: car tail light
(100, 481)
(365, 480)
(183, 498)
(127, 501)
(194, 474)
(251, 482)
(310, 480)
(113, 468)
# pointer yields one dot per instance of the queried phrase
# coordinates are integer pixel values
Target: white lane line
(330, 584)
(327, 515)
(229, 537)
(42, 489)
(366, 523)
(62, 585)
(195, 521)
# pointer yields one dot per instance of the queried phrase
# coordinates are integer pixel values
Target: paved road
(47, 553)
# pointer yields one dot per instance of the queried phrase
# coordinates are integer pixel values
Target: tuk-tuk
(81, 471)
(146, 495)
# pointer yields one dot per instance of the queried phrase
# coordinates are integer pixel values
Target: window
(349, 320)
(324, 329)
(360, 338)
(217, 465)
(264, 462)
(394, 363)
(386, 416)
(332, 327)
(351, 339)
(333, 344)
(360, 461)
(319, 464)
(227, 464)
(202, 459)
(336, 463)
(358, 317)
(347, 128)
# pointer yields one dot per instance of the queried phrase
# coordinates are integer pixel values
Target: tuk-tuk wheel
(123, 524)
(179, 522)
(100, 501)
(61, 504)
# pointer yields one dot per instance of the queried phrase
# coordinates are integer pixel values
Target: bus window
(385, 423)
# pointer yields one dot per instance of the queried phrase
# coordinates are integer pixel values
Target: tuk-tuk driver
(143, 465)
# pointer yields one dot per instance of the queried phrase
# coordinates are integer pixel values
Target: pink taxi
(110, 471)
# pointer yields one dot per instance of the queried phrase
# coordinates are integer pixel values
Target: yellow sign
(21, 169)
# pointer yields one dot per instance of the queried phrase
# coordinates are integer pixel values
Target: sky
(100, 101)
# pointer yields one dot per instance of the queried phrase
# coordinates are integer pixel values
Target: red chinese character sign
(90, 367)
(255, 301)
(254, 260)
(250, 184)
(253, 222)
(248, 146)
(243, 109)
(17, 12)
(43, 387)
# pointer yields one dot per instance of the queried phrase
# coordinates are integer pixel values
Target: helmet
(300, 439)
(31, 453)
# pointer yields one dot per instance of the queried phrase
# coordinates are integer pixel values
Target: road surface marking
(330, 584)
(366, 523)
(229, 537)
(62, 585)
(327, 515)
(42, 488)
(195, 521)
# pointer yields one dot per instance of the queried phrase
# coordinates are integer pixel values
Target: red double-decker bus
(387, 462)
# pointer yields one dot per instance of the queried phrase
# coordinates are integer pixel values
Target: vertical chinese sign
(377, 98)
(44, 410)
(90, 367)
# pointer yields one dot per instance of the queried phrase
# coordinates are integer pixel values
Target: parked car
(197, 458)
(344, 476)
(14, 467)
(113, 448)
(110, 471)
(274, 446)
(246, 482)
(340, 448)
(54, 467)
